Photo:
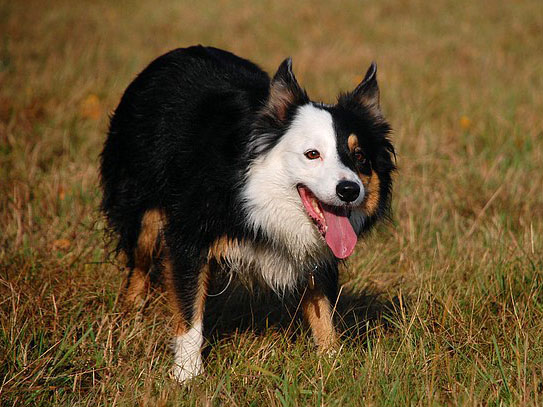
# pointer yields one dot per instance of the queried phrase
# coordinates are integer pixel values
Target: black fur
(176, 142)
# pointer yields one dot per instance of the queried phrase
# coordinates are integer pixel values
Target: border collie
(209, 164)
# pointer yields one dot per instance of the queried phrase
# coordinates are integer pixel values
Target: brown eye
(312, 154)
(359, 156)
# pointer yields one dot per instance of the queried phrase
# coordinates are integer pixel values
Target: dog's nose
(347, 191)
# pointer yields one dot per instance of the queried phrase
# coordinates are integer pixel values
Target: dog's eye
(359, 156)
(312, 154)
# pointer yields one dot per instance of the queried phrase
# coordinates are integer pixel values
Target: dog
(209, 164)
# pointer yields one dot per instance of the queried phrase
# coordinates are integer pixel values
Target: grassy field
(443, 306)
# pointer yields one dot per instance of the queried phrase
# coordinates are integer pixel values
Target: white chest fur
(275, 267)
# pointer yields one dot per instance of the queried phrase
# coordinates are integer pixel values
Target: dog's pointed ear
(284, 72)
(285, 92)
(367, 92)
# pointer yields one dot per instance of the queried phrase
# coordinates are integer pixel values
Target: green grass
(444, 306)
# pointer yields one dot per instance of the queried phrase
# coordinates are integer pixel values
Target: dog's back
(177, 137)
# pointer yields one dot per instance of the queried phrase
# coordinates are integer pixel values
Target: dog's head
(319, 169)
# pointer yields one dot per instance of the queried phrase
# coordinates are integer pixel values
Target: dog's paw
(329, 349)
(187, 371)
(330, 353)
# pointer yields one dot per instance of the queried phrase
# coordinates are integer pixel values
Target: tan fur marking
(373, 192)
(199, 303)
(138, 282)
(138, 287)
(219, 248)
(371, 183)
(179, 324)
(151, 225)
(317, 312)
(352, 142)
(223, 247)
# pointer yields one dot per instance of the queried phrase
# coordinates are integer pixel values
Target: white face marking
(313, 129)
(188, 359)
(271, 200)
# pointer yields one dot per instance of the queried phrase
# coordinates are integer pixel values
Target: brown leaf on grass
(61, 193)
(61, 244)
(91, 107)
(465, 123)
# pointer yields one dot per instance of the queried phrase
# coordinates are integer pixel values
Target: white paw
(188, 359)
(188, 370)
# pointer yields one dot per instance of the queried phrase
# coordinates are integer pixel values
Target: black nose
(347, 191)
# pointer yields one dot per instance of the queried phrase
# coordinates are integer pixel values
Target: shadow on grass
(239, 310)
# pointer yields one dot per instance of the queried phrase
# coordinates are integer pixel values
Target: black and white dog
(209, 163)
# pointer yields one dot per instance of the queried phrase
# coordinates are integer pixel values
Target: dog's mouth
(332, 222)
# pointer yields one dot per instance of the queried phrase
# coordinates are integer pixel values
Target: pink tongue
(340, 235)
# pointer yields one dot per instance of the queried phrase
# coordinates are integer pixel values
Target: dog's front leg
(317, 310)
(187, 289)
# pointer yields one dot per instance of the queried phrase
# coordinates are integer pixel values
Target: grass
(442, 307)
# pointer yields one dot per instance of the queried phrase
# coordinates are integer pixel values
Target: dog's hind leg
(137, 287)
(187, 284)
(148, 241)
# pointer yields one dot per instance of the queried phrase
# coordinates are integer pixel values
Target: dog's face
(321, 173)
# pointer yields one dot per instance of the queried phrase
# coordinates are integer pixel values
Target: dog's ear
(367, 92)
(285, 92)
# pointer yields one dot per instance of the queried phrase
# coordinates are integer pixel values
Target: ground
(441, 306)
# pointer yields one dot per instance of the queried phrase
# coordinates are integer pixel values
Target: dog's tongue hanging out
(333, 224)
(340, 235)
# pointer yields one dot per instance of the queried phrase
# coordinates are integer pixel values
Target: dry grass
(449, 298)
